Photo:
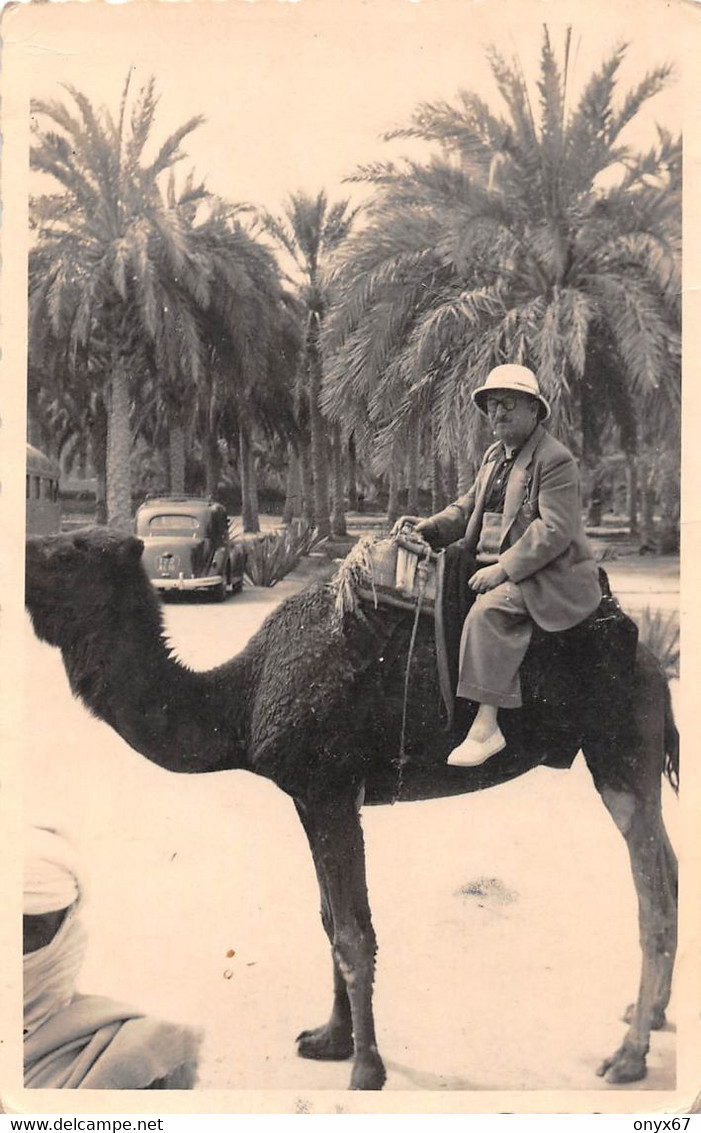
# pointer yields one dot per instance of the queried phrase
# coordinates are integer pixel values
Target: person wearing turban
(75, 1041)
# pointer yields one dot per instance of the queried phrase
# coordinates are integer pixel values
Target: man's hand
(412, 521)
(486, 578)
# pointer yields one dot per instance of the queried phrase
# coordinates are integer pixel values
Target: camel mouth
(34, 560)
(41, 578)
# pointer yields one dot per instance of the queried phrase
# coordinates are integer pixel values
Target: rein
(401, 761)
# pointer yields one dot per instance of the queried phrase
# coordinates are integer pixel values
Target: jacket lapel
(516, 487)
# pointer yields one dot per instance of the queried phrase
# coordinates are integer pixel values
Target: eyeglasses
(507, 403)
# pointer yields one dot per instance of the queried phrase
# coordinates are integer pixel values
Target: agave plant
(659, 630)
(272, 557)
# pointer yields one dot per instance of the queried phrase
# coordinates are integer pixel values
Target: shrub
(272, 557)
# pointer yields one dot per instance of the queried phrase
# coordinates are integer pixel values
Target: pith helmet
(517, 378)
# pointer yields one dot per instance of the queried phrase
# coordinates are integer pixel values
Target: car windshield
(173, 525)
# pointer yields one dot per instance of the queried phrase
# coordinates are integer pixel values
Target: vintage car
(187, 546)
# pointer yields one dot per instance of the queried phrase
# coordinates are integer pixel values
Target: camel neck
(184, 721)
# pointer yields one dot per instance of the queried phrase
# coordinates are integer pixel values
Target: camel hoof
(325, 1044)
(656, 1023)
(626, 1065)
(368, 1073)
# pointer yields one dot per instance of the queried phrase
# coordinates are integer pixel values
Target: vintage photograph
(346, 697)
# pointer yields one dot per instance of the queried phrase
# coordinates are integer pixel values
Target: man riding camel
(522, 520)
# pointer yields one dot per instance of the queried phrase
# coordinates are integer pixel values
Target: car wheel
(218, 593)
(221, 592)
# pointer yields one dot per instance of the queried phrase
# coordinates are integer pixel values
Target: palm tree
(529, 238)
(250, 328)
(66, 405)
(113, 270)
(311, 231)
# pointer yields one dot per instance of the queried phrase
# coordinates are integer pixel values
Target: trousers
(495, 637)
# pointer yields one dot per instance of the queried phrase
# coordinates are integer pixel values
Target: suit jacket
(543, 547)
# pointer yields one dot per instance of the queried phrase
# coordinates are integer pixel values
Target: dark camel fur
(314, 704)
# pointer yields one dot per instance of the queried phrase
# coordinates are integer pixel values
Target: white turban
(51, 882)
(51, 873)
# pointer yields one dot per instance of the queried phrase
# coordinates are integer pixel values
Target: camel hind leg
(669, 883)
(336, 840)
(635, 807)
(654, 874)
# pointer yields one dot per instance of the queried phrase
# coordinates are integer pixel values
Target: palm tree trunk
(98, 444)
(596, 498)
(338, 519)
(249, 514)
(464, 462)
(451, 478)
(632, 493)
(669, 517)
(319, 445)
(352, 475)
(393, 500)
(119, 512)
(253, 487)
(412, 503)
(293, 494)
(212, 465)
(307, 482)
(176, 459)
(648, 509)
(464, 471)
(34, 430)
(437, 497)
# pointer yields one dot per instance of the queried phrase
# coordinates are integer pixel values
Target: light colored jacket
(543, 547)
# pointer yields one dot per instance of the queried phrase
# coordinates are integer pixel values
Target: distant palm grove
(326, 354)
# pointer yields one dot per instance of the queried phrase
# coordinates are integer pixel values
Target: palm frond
(512, 87)
(654, 82)
(142, 117)
(642, 332)
(170, 151)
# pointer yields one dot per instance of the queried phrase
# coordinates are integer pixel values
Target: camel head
(83, 580)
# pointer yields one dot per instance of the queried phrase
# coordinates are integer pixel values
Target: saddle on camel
(574, 682)
(522, 613)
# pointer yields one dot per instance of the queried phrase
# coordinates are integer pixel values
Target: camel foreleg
(334, 1040)
(336, 840)
(655, 875)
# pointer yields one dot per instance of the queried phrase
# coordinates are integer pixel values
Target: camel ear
(131, 549)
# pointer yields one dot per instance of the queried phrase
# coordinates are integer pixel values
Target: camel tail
(671, 744)
(658, 630)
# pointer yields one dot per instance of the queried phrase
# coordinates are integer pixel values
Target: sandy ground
(506, 920)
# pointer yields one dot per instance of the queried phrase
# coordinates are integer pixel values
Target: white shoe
(471, 753)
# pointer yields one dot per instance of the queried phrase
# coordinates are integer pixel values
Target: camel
(314, 703)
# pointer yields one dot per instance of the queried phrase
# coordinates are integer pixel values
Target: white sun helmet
(517, 378)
